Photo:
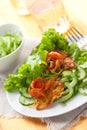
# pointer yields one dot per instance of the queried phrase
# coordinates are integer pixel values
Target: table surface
(30, 25)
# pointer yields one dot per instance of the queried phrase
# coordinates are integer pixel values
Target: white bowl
(7, 61)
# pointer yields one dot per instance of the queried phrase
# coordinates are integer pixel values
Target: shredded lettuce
(9, 42)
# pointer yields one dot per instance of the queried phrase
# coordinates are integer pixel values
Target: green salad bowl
(11, 44)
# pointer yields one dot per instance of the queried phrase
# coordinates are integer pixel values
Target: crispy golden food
(46, 91)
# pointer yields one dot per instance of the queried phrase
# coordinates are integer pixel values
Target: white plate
(54, 110)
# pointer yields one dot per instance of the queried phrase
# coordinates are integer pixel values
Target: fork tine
(74, 35)
(71, 35)
(76, 31)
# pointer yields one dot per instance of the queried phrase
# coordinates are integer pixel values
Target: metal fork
(73, 35)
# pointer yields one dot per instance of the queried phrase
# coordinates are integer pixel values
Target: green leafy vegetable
(9, 42)
(52, 40)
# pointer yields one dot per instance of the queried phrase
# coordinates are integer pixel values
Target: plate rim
(42, 113)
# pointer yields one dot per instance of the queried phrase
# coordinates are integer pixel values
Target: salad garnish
(56, 70)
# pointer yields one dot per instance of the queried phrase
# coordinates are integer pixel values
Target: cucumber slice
(81, 74)
(26, 101)
(84, 65)
(67, 96)
(66, 73)
(83, 91)
(24, 92)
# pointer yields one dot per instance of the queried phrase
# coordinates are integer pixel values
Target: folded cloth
(61, 122)
(65, 121)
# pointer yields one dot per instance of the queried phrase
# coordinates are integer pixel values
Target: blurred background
(42, 13)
